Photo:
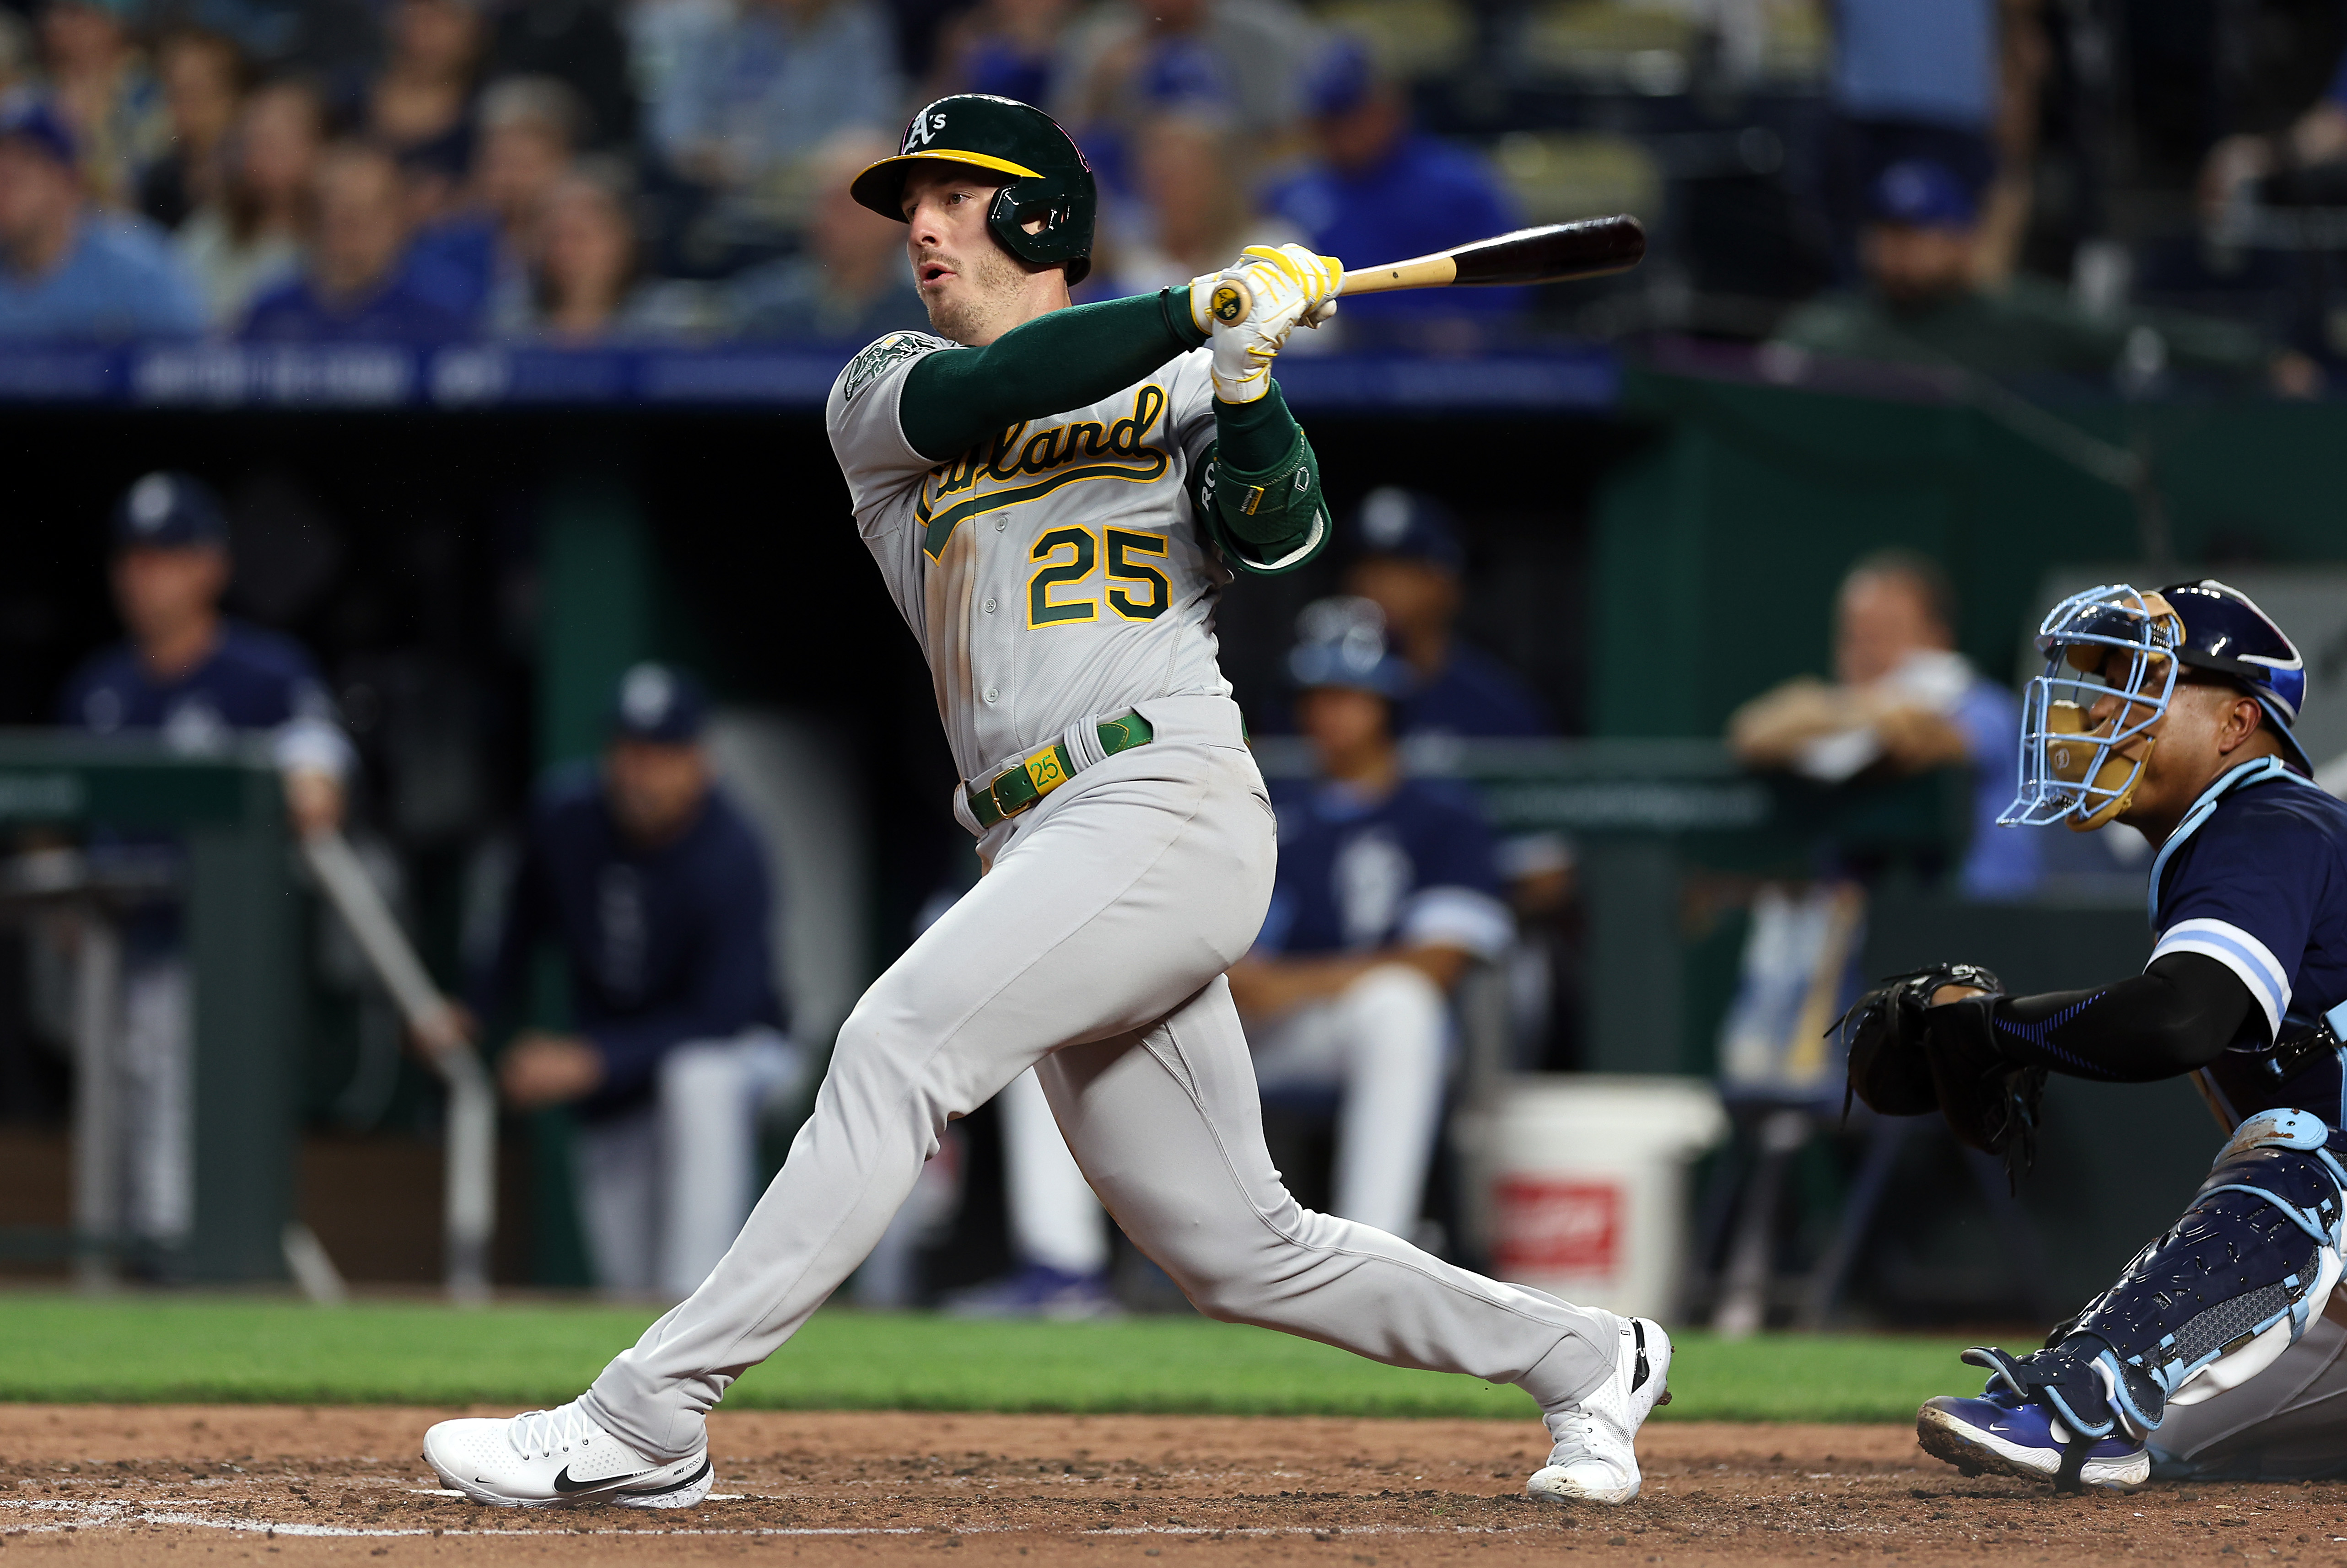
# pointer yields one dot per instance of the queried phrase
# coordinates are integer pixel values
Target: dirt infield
(177, 1485)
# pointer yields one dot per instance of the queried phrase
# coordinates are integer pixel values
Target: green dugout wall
(1718, 545)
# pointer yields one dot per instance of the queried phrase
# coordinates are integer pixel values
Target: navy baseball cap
(1922, 193)
(1393, 521)
(1341, 642)
(656, 703)
(168, 512)
(31, 118)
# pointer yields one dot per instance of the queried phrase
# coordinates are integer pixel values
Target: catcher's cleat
(552, 1458)
(1595, 1459)
(2001, 1435)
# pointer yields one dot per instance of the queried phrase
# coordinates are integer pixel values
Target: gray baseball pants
(1094, 950)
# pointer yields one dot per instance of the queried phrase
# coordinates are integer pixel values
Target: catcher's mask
(2083, 770)
(2107, 643)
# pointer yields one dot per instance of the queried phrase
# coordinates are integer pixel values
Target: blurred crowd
(576, 171)
(2002, 181)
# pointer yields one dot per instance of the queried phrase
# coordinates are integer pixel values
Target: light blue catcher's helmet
(2127, 647)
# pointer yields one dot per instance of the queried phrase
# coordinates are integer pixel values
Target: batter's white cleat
(550, 1458)
(1595, 1459)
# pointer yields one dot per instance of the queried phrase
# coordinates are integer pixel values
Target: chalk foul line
(61, 1515)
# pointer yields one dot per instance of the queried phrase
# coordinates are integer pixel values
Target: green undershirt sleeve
(1259, 488)
(1064, 360)
(1253, 436)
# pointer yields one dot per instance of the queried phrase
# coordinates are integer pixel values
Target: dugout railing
(109, 828)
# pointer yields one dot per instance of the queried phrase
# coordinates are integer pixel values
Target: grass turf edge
(205, 1348)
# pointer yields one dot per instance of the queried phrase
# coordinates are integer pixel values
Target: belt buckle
(1044, 769)
(1004, 813)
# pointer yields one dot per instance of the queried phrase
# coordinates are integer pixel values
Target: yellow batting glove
(1320, 277)
(1252, 306)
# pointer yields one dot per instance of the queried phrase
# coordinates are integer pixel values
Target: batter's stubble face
(966, 307)
(975, 290)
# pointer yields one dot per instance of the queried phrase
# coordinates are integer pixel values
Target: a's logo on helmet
(924, 126)
(1227, 304)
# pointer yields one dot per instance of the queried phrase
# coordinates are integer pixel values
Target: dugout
(475, 542)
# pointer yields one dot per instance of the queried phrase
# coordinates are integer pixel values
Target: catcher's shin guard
(2211, 1301)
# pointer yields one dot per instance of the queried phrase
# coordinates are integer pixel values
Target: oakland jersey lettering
(1002, 474)
(1054, 574)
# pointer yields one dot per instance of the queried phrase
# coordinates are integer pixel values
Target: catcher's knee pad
(2212, 1300)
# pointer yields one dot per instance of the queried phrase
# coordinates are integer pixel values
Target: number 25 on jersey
(1058, 594)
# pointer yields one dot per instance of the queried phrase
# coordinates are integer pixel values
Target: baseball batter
(1056, 495)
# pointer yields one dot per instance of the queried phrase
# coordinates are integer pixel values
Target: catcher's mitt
(1907, 1057)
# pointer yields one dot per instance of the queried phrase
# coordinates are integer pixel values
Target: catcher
(2211, 1356)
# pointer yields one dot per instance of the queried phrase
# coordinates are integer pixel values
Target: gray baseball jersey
(1054, 575)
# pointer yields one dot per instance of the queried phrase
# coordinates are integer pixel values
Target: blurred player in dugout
(196, 678)
(1409, 561)
(654, 886)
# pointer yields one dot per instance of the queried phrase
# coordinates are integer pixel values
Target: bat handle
(1423, 273)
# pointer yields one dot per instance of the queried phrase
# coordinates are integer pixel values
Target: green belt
(1016, 789)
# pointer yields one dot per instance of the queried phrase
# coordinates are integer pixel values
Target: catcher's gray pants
(1094, 949)
(2287, 1423)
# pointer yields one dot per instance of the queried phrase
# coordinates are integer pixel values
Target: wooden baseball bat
(1556, 254)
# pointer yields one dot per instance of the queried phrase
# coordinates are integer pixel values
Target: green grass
(227, 1348)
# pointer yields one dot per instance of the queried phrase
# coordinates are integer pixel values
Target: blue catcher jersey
(2256, 879)
(1359, 873)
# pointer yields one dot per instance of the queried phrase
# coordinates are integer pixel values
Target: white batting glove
(1248, 309)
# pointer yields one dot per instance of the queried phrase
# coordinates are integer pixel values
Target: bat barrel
(1556, 254)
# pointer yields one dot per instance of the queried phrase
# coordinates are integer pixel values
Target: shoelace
(548, 1432)
(1578, 1436)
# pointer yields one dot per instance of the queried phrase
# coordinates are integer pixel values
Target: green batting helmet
(1049, 178)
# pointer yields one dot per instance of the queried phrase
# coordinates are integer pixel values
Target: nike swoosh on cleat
(563, 1484)
(679, 1486)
